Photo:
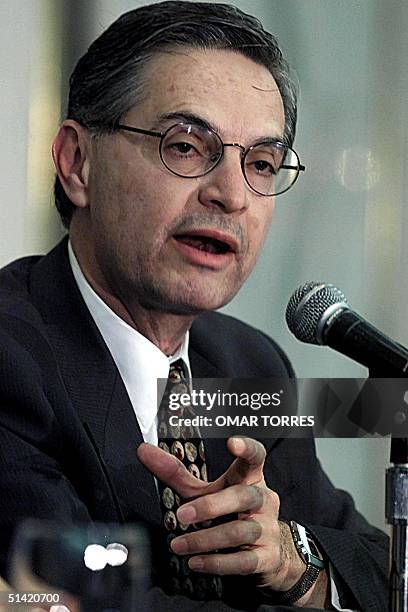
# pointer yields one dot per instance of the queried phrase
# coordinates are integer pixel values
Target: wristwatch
(310, 554)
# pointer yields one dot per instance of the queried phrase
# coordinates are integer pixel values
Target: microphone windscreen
(309, 306)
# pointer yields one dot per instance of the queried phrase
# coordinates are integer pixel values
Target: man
(180, 116)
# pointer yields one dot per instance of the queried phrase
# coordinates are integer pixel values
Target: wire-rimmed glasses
(188, 150)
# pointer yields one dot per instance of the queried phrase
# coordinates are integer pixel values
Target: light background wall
(345, 221)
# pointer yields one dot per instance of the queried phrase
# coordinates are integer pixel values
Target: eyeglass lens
(191, 151)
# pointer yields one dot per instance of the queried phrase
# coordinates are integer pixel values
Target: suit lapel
(93, 383)
(134, 483)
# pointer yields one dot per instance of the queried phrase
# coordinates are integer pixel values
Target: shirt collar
(139, 361)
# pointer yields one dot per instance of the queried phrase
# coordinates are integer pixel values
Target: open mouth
(208, 244)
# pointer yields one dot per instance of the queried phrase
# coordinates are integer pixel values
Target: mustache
(202, 221)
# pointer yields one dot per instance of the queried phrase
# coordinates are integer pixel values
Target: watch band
(308, 552)
(302, 586)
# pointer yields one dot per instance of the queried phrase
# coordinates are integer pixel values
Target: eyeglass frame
(244, 152)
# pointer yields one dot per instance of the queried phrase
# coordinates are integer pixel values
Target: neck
(165, 330)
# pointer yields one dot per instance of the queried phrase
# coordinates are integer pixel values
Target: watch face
(306, 546)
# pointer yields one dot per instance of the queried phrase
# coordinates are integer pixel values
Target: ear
(70, 152)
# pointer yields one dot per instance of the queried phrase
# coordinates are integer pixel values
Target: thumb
(248, 465)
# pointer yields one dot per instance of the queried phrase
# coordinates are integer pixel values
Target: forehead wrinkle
(275, 89)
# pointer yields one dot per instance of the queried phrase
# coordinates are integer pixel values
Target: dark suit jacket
(68, 433)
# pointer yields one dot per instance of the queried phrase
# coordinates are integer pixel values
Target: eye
(181, 148)
(264, 160)
(263, 167)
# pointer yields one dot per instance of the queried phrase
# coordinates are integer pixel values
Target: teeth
(207, 245)
(209, 248)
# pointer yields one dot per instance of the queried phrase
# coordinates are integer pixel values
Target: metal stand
(396, 511)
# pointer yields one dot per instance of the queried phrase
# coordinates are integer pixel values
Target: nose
(225, 187)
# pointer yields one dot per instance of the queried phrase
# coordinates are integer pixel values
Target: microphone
(318, 313)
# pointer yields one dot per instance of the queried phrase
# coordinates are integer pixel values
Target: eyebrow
(185, 116)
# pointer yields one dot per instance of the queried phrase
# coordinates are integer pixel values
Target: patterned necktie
(186, 444)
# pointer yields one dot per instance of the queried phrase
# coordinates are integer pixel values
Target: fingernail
(186, 514)
(239, 444)
(196, 563)
(179, 546)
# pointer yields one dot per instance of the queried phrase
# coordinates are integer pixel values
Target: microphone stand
(396, 512)
(396, 493)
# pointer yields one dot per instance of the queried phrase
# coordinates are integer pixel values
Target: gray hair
(109, 78)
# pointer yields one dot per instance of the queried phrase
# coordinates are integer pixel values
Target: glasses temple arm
(301, 168)
(128, 128)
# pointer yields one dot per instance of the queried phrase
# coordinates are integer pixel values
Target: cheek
(142, 203)
(258, 226)
(161, 199)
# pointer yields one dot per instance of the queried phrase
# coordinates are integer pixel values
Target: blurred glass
(103, 567)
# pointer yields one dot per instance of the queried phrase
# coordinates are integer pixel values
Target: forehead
(224, 87)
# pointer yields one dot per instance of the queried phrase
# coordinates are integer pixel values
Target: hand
(265, 545)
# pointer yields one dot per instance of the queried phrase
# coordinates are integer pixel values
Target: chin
(198, 306)
(188, 302)
(186, 296)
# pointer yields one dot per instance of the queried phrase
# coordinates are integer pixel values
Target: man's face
(151, 230)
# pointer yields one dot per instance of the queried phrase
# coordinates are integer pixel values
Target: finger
(168, 469)
(229, 535)
(237, 498)
(243, 562)
(248, 467)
